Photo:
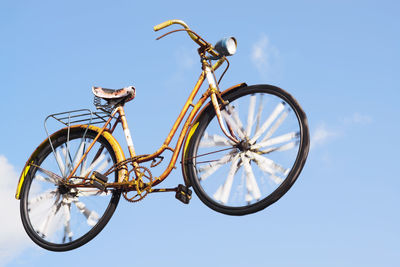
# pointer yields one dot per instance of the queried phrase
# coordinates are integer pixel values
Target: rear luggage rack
(80, 116)
(84, 117)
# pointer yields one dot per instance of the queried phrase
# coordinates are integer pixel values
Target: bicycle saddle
(115, 94)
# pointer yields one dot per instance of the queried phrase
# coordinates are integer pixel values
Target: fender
(195, 123)
(113, 142)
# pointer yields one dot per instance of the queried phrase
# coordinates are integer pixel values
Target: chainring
(143, 182)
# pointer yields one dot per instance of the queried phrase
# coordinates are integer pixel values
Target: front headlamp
(226, 46)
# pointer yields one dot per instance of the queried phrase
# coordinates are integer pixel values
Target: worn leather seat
(126, 94)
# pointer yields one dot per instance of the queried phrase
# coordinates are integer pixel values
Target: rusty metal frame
(212, 92)
(123, 181)
(186, 126)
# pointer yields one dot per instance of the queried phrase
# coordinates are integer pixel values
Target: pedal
(183, 194)
(99, 180)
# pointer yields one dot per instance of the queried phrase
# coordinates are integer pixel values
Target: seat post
(128, 137)
(127, 132)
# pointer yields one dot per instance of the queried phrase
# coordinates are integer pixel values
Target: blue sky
(339, 59)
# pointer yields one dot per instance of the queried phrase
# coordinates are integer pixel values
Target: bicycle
(242, 149)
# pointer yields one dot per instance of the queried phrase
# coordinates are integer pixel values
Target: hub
(63, 189)
(244, 145)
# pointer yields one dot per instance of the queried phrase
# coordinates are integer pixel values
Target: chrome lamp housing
(226, 46)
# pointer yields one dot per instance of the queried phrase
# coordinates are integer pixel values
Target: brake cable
(226, 69)
(186, 30)
(207, 46)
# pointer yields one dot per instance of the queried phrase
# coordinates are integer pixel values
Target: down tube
(181, 138)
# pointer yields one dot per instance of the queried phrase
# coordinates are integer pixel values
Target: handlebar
(180, 22)
(169, 23)
(195, 38)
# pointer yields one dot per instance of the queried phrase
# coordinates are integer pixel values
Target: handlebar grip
(163, 25)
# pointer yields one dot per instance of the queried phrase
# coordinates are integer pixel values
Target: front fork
(214, 93)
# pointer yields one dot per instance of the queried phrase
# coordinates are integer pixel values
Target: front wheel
(243, 178)
(59, 218)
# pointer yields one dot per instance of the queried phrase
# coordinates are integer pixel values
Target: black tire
(214, 165)
(61, 219)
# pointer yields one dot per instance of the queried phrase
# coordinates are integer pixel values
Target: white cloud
(358, 118)
(322, 135)
(265, 57)
(13, 239)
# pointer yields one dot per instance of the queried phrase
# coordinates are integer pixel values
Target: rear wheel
(59, 218)
(239, 179)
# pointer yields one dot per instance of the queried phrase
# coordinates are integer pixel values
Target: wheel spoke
(79, 152)
(214, 140)
(224, 190)
(277, 140)
(233, 124)
(276, 125)
(83, 166)
(269, 166)
(250, 116)
(47, 195)
(87, 192)
(46, 179)
(268, 162)
(93, 165)
(234, 112)
(259, 112)
(91, 215)
(60, 163)
(251, 183)
(67, 162)
(278, 109)
(45, 227)
(104, 165)
(214, 166)
(51, 175)
(284, 147)
(67, 223)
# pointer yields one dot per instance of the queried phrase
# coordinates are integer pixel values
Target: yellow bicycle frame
(212, 92)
